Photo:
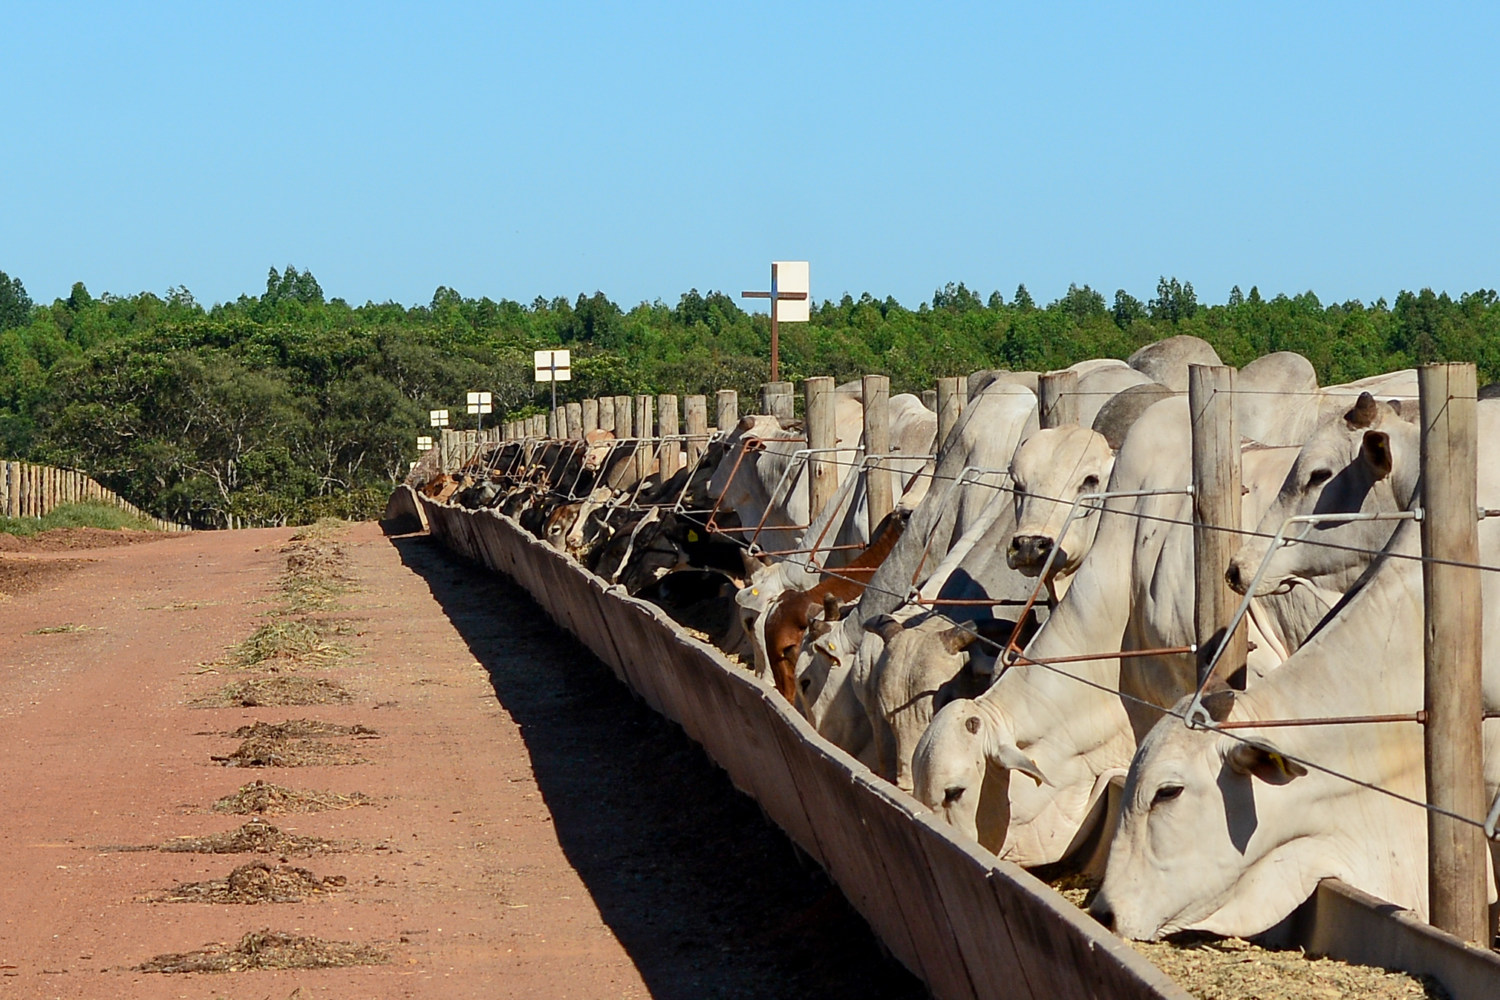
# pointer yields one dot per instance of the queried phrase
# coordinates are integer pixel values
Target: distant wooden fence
(28, 490)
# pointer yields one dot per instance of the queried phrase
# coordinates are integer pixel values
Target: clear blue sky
(643, 149)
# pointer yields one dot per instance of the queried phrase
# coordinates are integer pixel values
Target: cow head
(725, 482)
(1051, 469)
(1216, 834)
(1365, 461)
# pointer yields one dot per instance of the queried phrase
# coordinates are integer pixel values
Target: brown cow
(788, 618)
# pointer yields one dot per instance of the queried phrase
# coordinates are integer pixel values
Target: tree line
(285, 406)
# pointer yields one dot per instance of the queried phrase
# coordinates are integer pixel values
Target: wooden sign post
(788, 284)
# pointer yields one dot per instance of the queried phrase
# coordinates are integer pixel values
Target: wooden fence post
(952, 395)
(590, 411)
(879, 493)
(695, 415)
(929, 399)
(575, 420)
(667, 428)
(728, 413)
(1216, 515)
(645, 427)
(1452, 649)
(622, 416)
(1057, 399)
(822, 433)
(607, 415)
(776, 399)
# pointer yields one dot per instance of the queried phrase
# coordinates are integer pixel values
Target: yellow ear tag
(692, 535)
(754, 592)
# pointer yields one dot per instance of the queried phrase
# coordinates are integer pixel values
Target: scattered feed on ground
(255, 837)
(300, 729)
(61, 629)
(289, 641)
(273, 800)
(1215, 968)
(256, 882)
(268, 949)
(270, 751)
(282, 689)
(316, 567)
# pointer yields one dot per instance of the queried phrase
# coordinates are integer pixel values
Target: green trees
(15, 304)
(283, 406)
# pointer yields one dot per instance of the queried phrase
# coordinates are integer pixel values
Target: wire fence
(524, 454)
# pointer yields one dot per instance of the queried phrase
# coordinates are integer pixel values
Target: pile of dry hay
(256, 882)
(269, 751)
(255, 837)
(299, 729)
(275, 800)
(277, 690)
(268, 949)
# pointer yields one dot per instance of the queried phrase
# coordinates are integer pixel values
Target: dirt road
(532, 831)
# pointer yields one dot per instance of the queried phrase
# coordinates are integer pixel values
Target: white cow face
(949, 763)
(1207, 840)
(1364, 461)
(1051, 469)
(753, 427)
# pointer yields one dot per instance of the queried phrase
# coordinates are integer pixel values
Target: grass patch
(268, 949)
(257, 882)
(274, 800)
(87, 514)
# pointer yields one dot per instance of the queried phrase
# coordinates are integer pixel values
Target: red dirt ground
(537, 833)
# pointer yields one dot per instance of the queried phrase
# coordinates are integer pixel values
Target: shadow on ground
(707, 896)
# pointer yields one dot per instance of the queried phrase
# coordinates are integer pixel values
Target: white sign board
(553, 366)
(791, 276)
(424, 443)
(479, 402)
(439, 418)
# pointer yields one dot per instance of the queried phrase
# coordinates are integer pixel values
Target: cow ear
(958, 638)
(1010, 756)
(1376, 451)
(1261, 760)
(833, 608)
(1362, 413)
(885, 626)
(752, 563)
(1219, 703)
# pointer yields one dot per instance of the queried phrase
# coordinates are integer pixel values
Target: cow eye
(1166, 793)
(952, 795)
(805, 683)
(1319, 477)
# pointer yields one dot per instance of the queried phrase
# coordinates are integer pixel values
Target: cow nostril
(1232, 576)
(1101, 912)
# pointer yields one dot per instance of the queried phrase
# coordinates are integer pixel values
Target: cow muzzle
(1028, 553)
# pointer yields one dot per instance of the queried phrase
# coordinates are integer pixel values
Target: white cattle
(1228, 831)
(745, 482)
(1132, 592)
(1049, 471)
(985, 438)
(1364, 460)
(1166, 361)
